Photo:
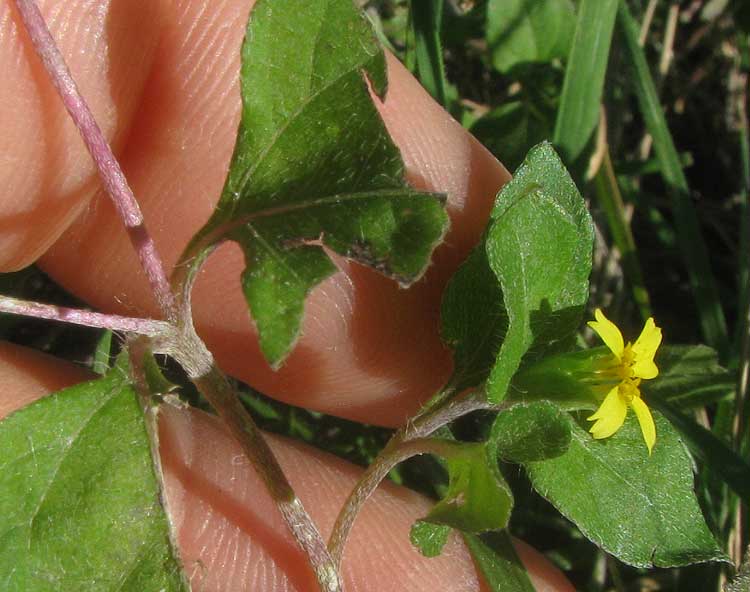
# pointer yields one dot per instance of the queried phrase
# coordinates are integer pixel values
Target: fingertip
(369, 350)
(230, 534)
(223, 508)
(440, 155)
(46, 174)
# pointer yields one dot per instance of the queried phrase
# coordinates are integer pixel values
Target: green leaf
(497, 559)
(473, 320)
(710, 449)
(637, 507)
(527, 31)
(429, 538)
(79, 501)
(689, 376)
(478, 498)
(529, 432)
(511, 130)
(578, 113)
(314, 164)
(539, 247)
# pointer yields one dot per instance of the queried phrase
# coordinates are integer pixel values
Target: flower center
(625, 368)
(628, 389)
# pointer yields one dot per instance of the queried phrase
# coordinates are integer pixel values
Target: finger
(46, 175)
(232, 537)
(229, 533)
(369, 351)
(27, 375)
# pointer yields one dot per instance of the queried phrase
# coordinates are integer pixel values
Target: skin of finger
(232, 538)
(46, 174)
(369, 350)
(230, 535)
(28, 375)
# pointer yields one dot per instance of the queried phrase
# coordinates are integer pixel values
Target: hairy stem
(409, 441)
(75, 316)
(216, 388)
(109, 168)
(198, 362)
(139, 348)
(177, 337)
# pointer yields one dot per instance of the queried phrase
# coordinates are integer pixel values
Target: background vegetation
(653, 124)
(664, 166)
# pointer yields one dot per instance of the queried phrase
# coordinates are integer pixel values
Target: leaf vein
(64, 454)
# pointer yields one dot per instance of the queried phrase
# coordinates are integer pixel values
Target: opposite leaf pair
(511, 312)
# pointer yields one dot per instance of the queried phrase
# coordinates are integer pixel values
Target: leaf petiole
(409, 441)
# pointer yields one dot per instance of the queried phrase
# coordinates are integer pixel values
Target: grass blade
(609, 197)
(694, 251)
(742, 337)
(102, 360)
(425, 20)
(584, 77)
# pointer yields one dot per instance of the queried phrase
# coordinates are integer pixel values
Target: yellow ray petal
(609, 333)
(610, 415)
(648, 342)
(645, 369)
(648, 428)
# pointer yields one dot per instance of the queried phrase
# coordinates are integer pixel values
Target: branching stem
(409, 441)
(177, 336)
(214, 386)
(110, 172)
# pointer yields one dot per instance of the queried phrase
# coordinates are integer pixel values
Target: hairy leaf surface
(524, 287)
(478, 498)
(497, 559)
(637, 507)
(314, 165)
(79, 500)
(539, 246)
(530, 431)
(429, 538)
(473, 320)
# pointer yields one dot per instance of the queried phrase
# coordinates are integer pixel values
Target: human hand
(172, 118)
(162, 79)
(229, 533)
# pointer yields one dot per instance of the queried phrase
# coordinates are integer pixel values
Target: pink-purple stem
(109, 169)
(214, 385)
(148, 327)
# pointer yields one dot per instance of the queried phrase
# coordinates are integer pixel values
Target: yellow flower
(632, 363)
